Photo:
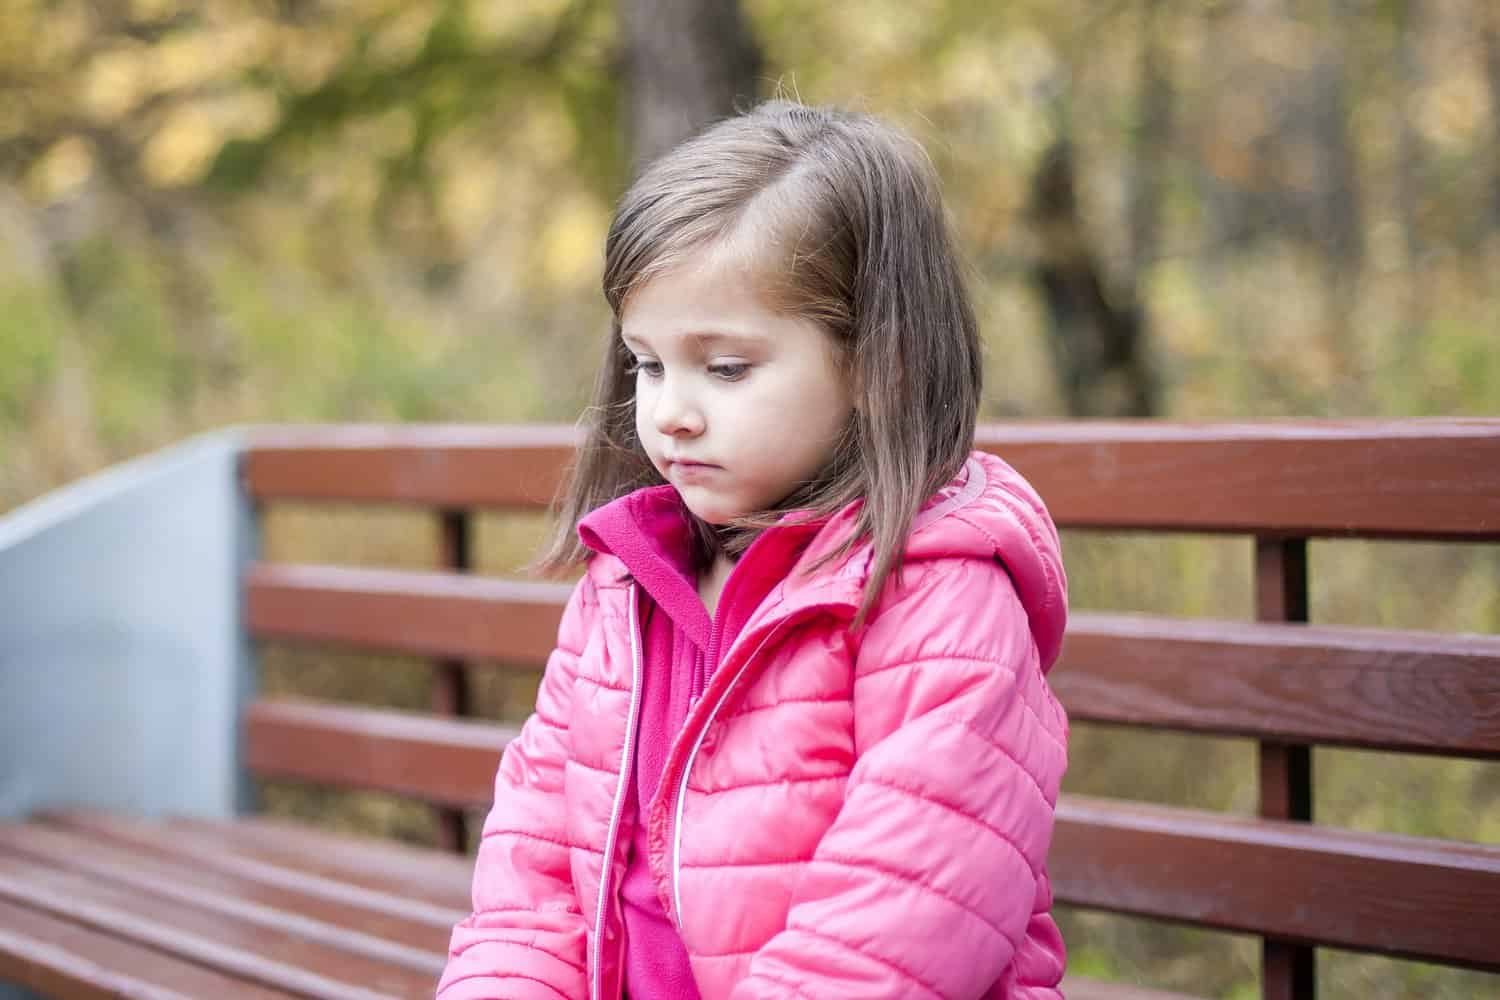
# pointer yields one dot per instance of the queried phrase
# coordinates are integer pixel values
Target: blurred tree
(1151, 144)
(1096, 337)
(688, 63)
(1489, 30)
(1097, 328)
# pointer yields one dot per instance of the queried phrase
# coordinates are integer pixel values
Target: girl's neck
(711, 581)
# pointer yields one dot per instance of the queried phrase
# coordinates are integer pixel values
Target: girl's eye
(730, 372)
(651, 369)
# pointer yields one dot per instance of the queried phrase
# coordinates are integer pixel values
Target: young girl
(795, 739)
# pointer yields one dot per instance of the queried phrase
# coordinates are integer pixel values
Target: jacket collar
(648, 533)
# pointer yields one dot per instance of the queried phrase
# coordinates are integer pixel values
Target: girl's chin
(714, 517)
(712, 513)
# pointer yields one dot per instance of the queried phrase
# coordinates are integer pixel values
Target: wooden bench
(96, 904)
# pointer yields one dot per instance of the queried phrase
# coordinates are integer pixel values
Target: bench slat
(376, 861)
(1412, 478)
(405, 611)
(1382, 689)
(437, 876)
(382, 936)
(1403, 896)
(1407, 691)
(452, 466)
(1422, 478)
(57, 958)
(275, 959)
(1295, 881)
(395, 897)
(442, 761)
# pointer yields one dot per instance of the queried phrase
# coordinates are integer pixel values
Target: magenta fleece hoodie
(649, 532)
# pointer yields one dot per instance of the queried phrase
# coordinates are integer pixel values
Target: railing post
(450, 679)
(249, 547)
(1287, 969)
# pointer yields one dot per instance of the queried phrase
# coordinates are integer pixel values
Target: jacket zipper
(627, 758)
(701, 661)
(687, 766)
(974, 483)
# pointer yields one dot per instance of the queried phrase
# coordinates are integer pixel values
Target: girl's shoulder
(985, 536)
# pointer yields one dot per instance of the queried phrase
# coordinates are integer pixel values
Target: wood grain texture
(402, 893)
(268, 956)
(1416, 478)
(374, 862)
(515, 467)
(1376, 688)
(1402, 896)
(443, 761)
(404, 611)
(58, 958)
(1364, 478)
(412, 942)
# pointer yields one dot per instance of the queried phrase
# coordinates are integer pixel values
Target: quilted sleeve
(525, 939)
(931, 882)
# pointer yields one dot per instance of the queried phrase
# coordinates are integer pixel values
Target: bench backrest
(1286, 684)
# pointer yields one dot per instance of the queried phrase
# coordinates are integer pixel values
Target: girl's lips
(692, 470)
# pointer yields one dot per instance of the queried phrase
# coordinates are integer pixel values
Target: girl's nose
(675, 414)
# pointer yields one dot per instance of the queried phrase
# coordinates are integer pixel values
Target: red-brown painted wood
(58, 958)
(270, 957)
(1431, 478)
(514, 467)
(1288, 686)
(1399, 690)
(1398, 895)
(443, 761)
(410, 943)
(375, 862)
(406, 611)
(1416, 478)
(400, 892)
(1376, 688)
(1404, 896)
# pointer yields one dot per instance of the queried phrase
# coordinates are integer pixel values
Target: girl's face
(736, 405)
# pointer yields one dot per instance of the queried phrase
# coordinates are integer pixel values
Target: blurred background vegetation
(304, 210)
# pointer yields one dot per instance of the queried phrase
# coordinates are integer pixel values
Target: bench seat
(269, 912)
(97, 905)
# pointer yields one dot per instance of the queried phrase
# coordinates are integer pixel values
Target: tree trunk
(1098, 345)
(1409, 151)
(1342, 215)
(687, 63)
(1490, 29)
(1341, 227)
(1152, 134)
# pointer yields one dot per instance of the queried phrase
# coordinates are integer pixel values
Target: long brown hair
(839, 219)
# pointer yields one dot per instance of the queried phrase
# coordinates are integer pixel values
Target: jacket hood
(1005, 520)
(988, 511)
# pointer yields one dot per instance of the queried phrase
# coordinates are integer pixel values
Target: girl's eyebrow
(703, 338)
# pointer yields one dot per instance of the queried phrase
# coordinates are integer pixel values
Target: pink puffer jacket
(844, 814)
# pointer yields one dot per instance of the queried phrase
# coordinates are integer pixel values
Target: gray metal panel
(123, 664)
